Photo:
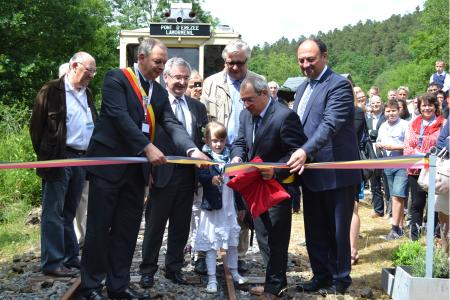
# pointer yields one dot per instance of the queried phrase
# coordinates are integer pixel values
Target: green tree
(37, 36)
(132, 14)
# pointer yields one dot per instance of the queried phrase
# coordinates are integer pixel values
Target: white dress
(218, 228)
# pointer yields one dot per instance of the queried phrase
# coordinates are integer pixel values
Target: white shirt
(79, 117)
(393, 134)
(186, 112)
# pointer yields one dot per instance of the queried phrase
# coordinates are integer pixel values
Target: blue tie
(305, 98)
(179, 112)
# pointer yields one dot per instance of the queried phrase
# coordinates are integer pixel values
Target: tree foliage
(132, 14)
(398, 51)
(37, 36)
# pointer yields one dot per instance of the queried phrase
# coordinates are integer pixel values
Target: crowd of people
(232, 116)
(400, 127)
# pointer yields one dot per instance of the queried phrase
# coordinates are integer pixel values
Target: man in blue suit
(325, 106)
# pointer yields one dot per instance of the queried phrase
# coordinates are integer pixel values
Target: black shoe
(242, 266)
(200, 266)
(176, 277)
(95, 295)
(128, 293)
(313, 285)
(73, 264)
(332, 290)
(147, 281)
(61, 272)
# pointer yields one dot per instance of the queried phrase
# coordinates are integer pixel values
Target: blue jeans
(60, 199)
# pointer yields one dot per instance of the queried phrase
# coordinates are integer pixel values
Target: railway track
(196, 281)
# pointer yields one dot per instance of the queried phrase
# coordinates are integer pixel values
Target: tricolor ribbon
(411, 162)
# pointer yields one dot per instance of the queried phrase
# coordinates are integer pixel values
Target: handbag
(442, 175)
(367, 173)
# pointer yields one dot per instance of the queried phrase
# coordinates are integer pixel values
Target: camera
(197, 84)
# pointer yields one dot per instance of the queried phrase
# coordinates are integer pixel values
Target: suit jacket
(279, 135)
(328, 126)
(162, 174)
(118, 130)
(360, 126)
(48, 128)
(369, 119)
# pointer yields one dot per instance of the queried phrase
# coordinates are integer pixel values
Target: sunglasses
(235, 63)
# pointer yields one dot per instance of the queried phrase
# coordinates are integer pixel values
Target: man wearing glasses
(172, 187)
(61, 126)
(223, 103)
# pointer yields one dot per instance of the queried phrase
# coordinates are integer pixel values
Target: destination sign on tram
(182, 29)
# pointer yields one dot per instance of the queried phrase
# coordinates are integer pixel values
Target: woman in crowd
(421, 135)
(361, 132)
(442, 201)
(403, 110)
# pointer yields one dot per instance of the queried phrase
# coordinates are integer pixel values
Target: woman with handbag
(442, 200)
(421, 135)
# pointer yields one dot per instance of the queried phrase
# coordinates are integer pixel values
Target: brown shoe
(257, 290)
(268, 296)
(61, 272)
(376, 215)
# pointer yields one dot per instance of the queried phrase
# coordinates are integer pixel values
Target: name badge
(145, 128)
(90, 125)
(145, 99)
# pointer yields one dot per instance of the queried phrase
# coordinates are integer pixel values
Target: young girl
(218, 227)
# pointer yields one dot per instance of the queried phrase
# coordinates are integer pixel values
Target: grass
(16, 237)
(375, 253)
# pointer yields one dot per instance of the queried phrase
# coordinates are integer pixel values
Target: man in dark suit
(271, 131)
(126, 125)
(325, 106)
(374, 120)
(172, 190)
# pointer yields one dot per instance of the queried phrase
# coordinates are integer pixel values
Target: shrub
(413, 254)
(19, 188)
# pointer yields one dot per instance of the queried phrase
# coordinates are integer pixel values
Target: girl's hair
(216, 128)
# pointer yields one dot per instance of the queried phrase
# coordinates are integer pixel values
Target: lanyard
(423, 128)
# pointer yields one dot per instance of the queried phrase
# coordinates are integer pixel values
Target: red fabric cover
(259, 194)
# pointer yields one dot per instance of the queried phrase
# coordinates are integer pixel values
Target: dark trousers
(327, 217)
(172, 203)
(113, 221)
(273, 231)
(294, 192)
(416, 207)
(376, 182)
(60, 200)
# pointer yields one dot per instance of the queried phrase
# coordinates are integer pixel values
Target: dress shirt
(375, 119)
(143, 81)
(261, 117)
(237, 106)
(186, 112)
(312, 82)
(79, 117)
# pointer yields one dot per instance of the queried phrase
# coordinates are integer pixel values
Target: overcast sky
(267, 21)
